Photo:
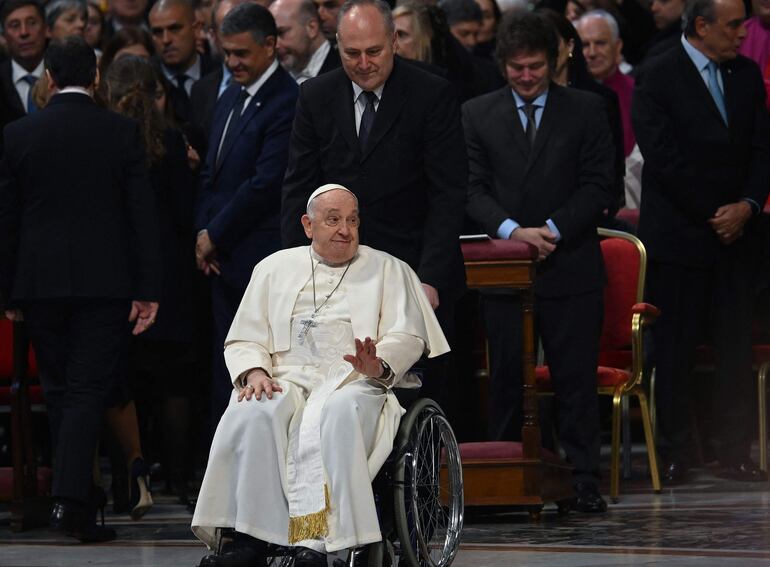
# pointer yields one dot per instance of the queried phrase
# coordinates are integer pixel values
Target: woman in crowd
(164, 353)
(127, 41)
(65, 18)
(94, 32)
(490, 14)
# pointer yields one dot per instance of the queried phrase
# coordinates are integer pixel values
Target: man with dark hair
(238, 209)
(174, 31)
(302, 47)
(541, 171)
(464, 18)
(78, 241)
(701, 123)
(24, 31)
(327, 12)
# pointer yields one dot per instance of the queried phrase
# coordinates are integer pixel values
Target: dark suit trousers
(697, 302)
(570, 328)
(225, 300)
(81, 347)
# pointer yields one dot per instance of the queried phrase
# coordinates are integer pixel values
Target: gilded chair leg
(649, 439)
(626, 428)
(615, 451)
(762, 400)
(653, 406)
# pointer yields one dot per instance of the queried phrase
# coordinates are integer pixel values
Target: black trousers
(225, 300)
(704, 305)
(570, 328)
(81, 348)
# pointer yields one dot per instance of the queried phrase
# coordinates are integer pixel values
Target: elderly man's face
(366, 47)
(174, 31)
(722, 37)
(333, 227)
(295, 38)
(601, 51)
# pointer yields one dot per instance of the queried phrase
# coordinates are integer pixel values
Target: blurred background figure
(464, 19)
(94, 32)
(128, 41)
(668, 21)
(133, 87)
(65, 18)
(485, 38)
(302, 48)
(756, 46)
(327, 12)
(125, 14)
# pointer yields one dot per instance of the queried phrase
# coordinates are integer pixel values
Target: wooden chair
(29, 505)
(620, 357)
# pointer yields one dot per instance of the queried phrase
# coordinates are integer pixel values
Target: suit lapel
(341, 104)
(255, 104)
(510, 121)
(394, 97)
(728, 80)
(11, 95)
(694, 82)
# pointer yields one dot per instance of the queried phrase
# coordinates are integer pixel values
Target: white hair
(603, 15)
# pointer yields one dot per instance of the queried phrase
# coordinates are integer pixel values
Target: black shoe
(306, 557)
(77, 520)
(674, 472)
(744, 471)
(140, 499)
(245, 552)
(588, 500)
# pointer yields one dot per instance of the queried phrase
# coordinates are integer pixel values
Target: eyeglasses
(334, 221)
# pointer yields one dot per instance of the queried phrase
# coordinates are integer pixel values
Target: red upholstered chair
(18, 395)
(620, 356)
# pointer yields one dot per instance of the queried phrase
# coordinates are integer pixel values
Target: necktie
(31, 106)
(182, 99)
(232, 125)
(531, 130)
(367, 118)
(716, 92)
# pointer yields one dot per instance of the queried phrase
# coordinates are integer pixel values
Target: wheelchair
(418, 494)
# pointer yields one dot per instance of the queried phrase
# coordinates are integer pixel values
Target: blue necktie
(716, 92)
(31, 106)
(531, 131)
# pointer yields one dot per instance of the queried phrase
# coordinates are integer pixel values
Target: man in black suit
(541, 171)
(391, 133)
(700, 121)
(174, 30)
(78, 241)
(302, 47)
(238, 208)
(24, 31)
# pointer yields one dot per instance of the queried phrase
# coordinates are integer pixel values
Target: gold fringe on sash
(310, 526)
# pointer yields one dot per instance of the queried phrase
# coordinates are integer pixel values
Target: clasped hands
(729, 220)
(364, 361)
(206, 254)
(540, 237)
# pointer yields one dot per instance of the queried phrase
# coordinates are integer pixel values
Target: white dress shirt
(22, 87)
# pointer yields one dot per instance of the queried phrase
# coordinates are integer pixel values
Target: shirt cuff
(552, 227)
(755, 208)
(507, 227)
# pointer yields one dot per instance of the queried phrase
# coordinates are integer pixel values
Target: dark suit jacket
(77, 213)
(693, 162)
(240, 199)
(203, 99)
(11, 106)
(331, 62)
(180, 102)
(410, 180)
(566, 177)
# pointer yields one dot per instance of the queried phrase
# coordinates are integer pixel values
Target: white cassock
(297, 469)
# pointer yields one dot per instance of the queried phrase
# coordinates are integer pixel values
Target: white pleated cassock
(264, 463)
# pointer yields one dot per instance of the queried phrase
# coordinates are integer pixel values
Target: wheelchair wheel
(428, 488)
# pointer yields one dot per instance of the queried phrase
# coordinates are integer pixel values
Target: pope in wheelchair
(322, 335)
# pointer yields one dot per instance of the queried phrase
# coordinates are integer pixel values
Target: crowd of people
(154, 154)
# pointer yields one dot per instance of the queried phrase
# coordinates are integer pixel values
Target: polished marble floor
(709, 522)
